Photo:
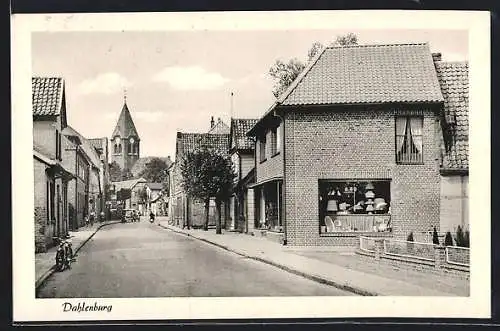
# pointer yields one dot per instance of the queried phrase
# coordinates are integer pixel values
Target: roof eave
(454, 171)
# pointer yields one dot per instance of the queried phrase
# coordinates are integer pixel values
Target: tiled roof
(155, 186)
(128, 184)
(240, 127)
(188, 142)
(454, 81)
(125, 126)
(46, 95)
(86, 145)
(367, 74)
(140, 164)
(98, 143)
(219, 142)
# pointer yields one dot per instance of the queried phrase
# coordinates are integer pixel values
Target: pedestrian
(151, 217)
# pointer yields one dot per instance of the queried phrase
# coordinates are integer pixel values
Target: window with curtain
(409, 142)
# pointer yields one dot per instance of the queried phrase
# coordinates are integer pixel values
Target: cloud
(106, 83)
(450, 56)
(190, 78)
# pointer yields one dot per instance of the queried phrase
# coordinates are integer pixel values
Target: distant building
(182, 209)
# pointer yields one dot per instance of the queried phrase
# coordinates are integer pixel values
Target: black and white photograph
(198, 161)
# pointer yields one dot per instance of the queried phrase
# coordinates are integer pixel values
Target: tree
(435, 237)
(448, 239)
(284, 73)
(208, 174)
(155, 171)
(115, 172)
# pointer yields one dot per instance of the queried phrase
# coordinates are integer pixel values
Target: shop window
(356, 205)
(409, 139)
(262, 149)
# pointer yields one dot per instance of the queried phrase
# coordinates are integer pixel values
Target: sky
(177, 80)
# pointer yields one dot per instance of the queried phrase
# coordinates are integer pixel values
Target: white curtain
(416, 132)
(400, 132)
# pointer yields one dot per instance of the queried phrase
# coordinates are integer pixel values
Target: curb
(40, 281)
(314, 278)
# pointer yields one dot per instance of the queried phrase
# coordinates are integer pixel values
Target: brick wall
(356, 144)
(40, 205)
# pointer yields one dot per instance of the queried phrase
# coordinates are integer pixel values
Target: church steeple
(125, 138)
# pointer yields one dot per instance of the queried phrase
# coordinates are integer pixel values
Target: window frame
(406, 160)
(262, 149)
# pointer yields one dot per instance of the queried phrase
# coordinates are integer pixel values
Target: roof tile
(367, 74)
(454, 81)
(240, 127)
(46, 95)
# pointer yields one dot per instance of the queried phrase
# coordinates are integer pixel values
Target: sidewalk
(342, 270)
(44, 262)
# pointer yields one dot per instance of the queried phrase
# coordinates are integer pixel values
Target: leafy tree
(435, 237)
(346, 40)
(410, 244)
(155, 171)
(462, 238)
(208, 174)
(448, 239)
(115, 172)
(284, 73)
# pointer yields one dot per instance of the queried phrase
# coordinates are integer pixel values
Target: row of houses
(369, 140)
(70, 171)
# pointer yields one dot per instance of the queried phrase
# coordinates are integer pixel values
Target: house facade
(454, 171)
(343, 155)
(86, 190)
(135, 186)
(182, 209)
(50, 177)
(241, 151)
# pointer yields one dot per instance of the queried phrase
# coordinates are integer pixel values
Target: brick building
(241, 151)
(181, 208)
(353, 147)
(50, 176)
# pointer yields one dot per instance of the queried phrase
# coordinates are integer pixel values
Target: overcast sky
(177, 80)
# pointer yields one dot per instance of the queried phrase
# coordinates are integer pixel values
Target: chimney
(436, 57)
(212, 123)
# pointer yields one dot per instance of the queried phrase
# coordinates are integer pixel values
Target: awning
(269, 180)
(58, 171)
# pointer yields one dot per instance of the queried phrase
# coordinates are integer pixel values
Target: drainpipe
(283, 190)
(75, 220)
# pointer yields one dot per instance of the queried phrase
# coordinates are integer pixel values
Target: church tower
(125, 140)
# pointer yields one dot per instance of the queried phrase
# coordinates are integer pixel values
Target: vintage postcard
(251, 165)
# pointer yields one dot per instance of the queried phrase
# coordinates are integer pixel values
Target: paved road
(145, 260)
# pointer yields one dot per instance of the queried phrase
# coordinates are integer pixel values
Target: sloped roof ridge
(299, 78)
(376, 45)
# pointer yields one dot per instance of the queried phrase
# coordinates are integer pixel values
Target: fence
(457, 255)
(419, 250)
(416, 253)
(367, 244)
